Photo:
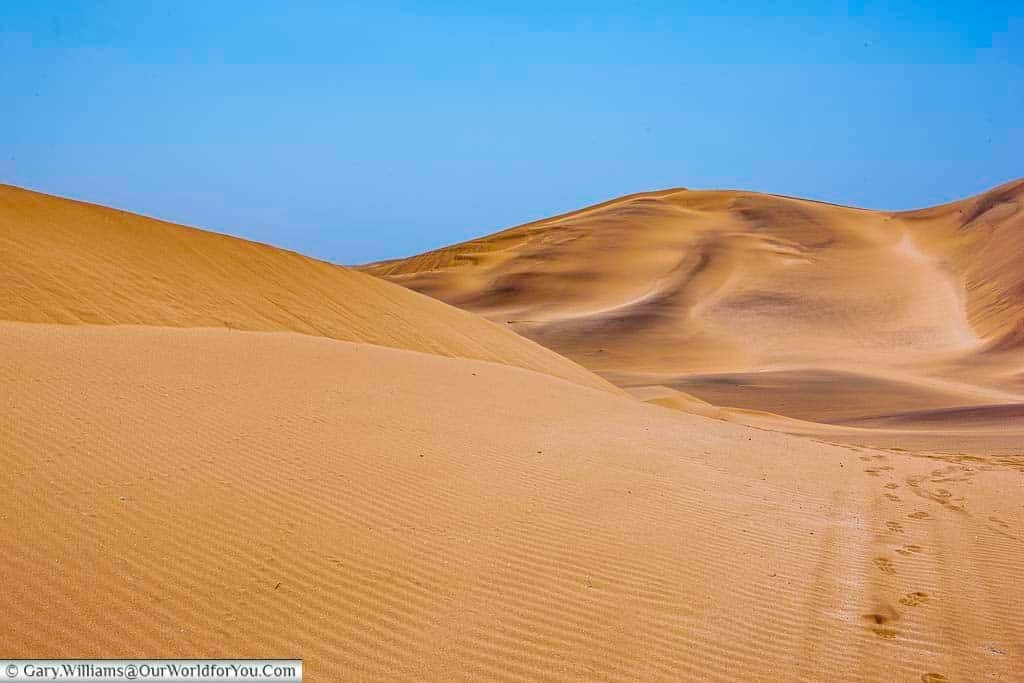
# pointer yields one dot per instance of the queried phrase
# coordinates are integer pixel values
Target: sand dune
(982, 240)
(197, 492)
(213, 448)
(966, 417)
(73, 263)
(811, 310)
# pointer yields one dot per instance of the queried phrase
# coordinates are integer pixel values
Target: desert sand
(75, 263)
(216, 448)
(912, 321)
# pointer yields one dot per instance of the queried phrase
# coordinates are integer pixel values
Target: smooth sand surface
(70, 262)
(214, 448)
(393, 515)
(812, 311)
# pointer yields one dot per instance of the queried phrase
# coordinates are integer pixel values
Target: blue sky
(361, 131)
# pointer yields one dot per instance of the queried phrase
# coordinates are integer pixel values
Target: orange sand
(463, 505)
(76, 263)
(811, 311)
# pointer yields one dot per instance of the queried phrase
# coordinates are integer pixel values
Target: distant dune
(214, 448)
(805, 309)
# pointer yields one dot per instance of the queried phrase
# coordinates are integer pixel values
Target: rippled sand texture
(216, 448)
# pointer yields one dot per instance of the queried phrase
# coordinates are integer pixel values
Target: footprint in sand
(893, 497)
(894, 527)
(891, 486)
(885, 565)
(879, 621)
(920, 514)
(1000, 522)
(932, 677)
(915, 599)
(909, 549)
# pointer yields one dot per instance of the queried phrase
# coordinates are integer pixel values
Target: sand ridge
(214, 448)
(761, 302)
(70, 262)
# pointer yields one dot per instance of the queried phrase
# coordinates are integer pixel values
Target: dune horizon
(675, 436)
(514, 342)
(819, 313)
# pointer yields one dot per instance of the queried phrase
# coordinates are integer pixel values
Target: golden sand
(214, 448)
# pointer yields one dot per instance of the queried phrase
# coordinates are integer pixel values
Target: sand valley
(681, 435)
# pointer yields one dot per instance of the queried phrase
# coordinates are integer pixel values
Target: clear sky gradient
(362, 131)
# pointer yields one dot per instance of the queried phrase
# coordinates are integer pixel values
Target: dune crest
(982, 240)
(70, 262)
(805, 309)
(214, 448)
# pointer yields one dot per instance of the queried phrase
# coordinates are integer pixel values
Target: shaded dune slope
(75, 263)
(705, 290)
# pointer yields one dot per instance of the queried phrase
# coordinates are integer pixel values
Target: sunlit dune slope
(705, 291)
(981, 239)
(393, 515)
(70, 262)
